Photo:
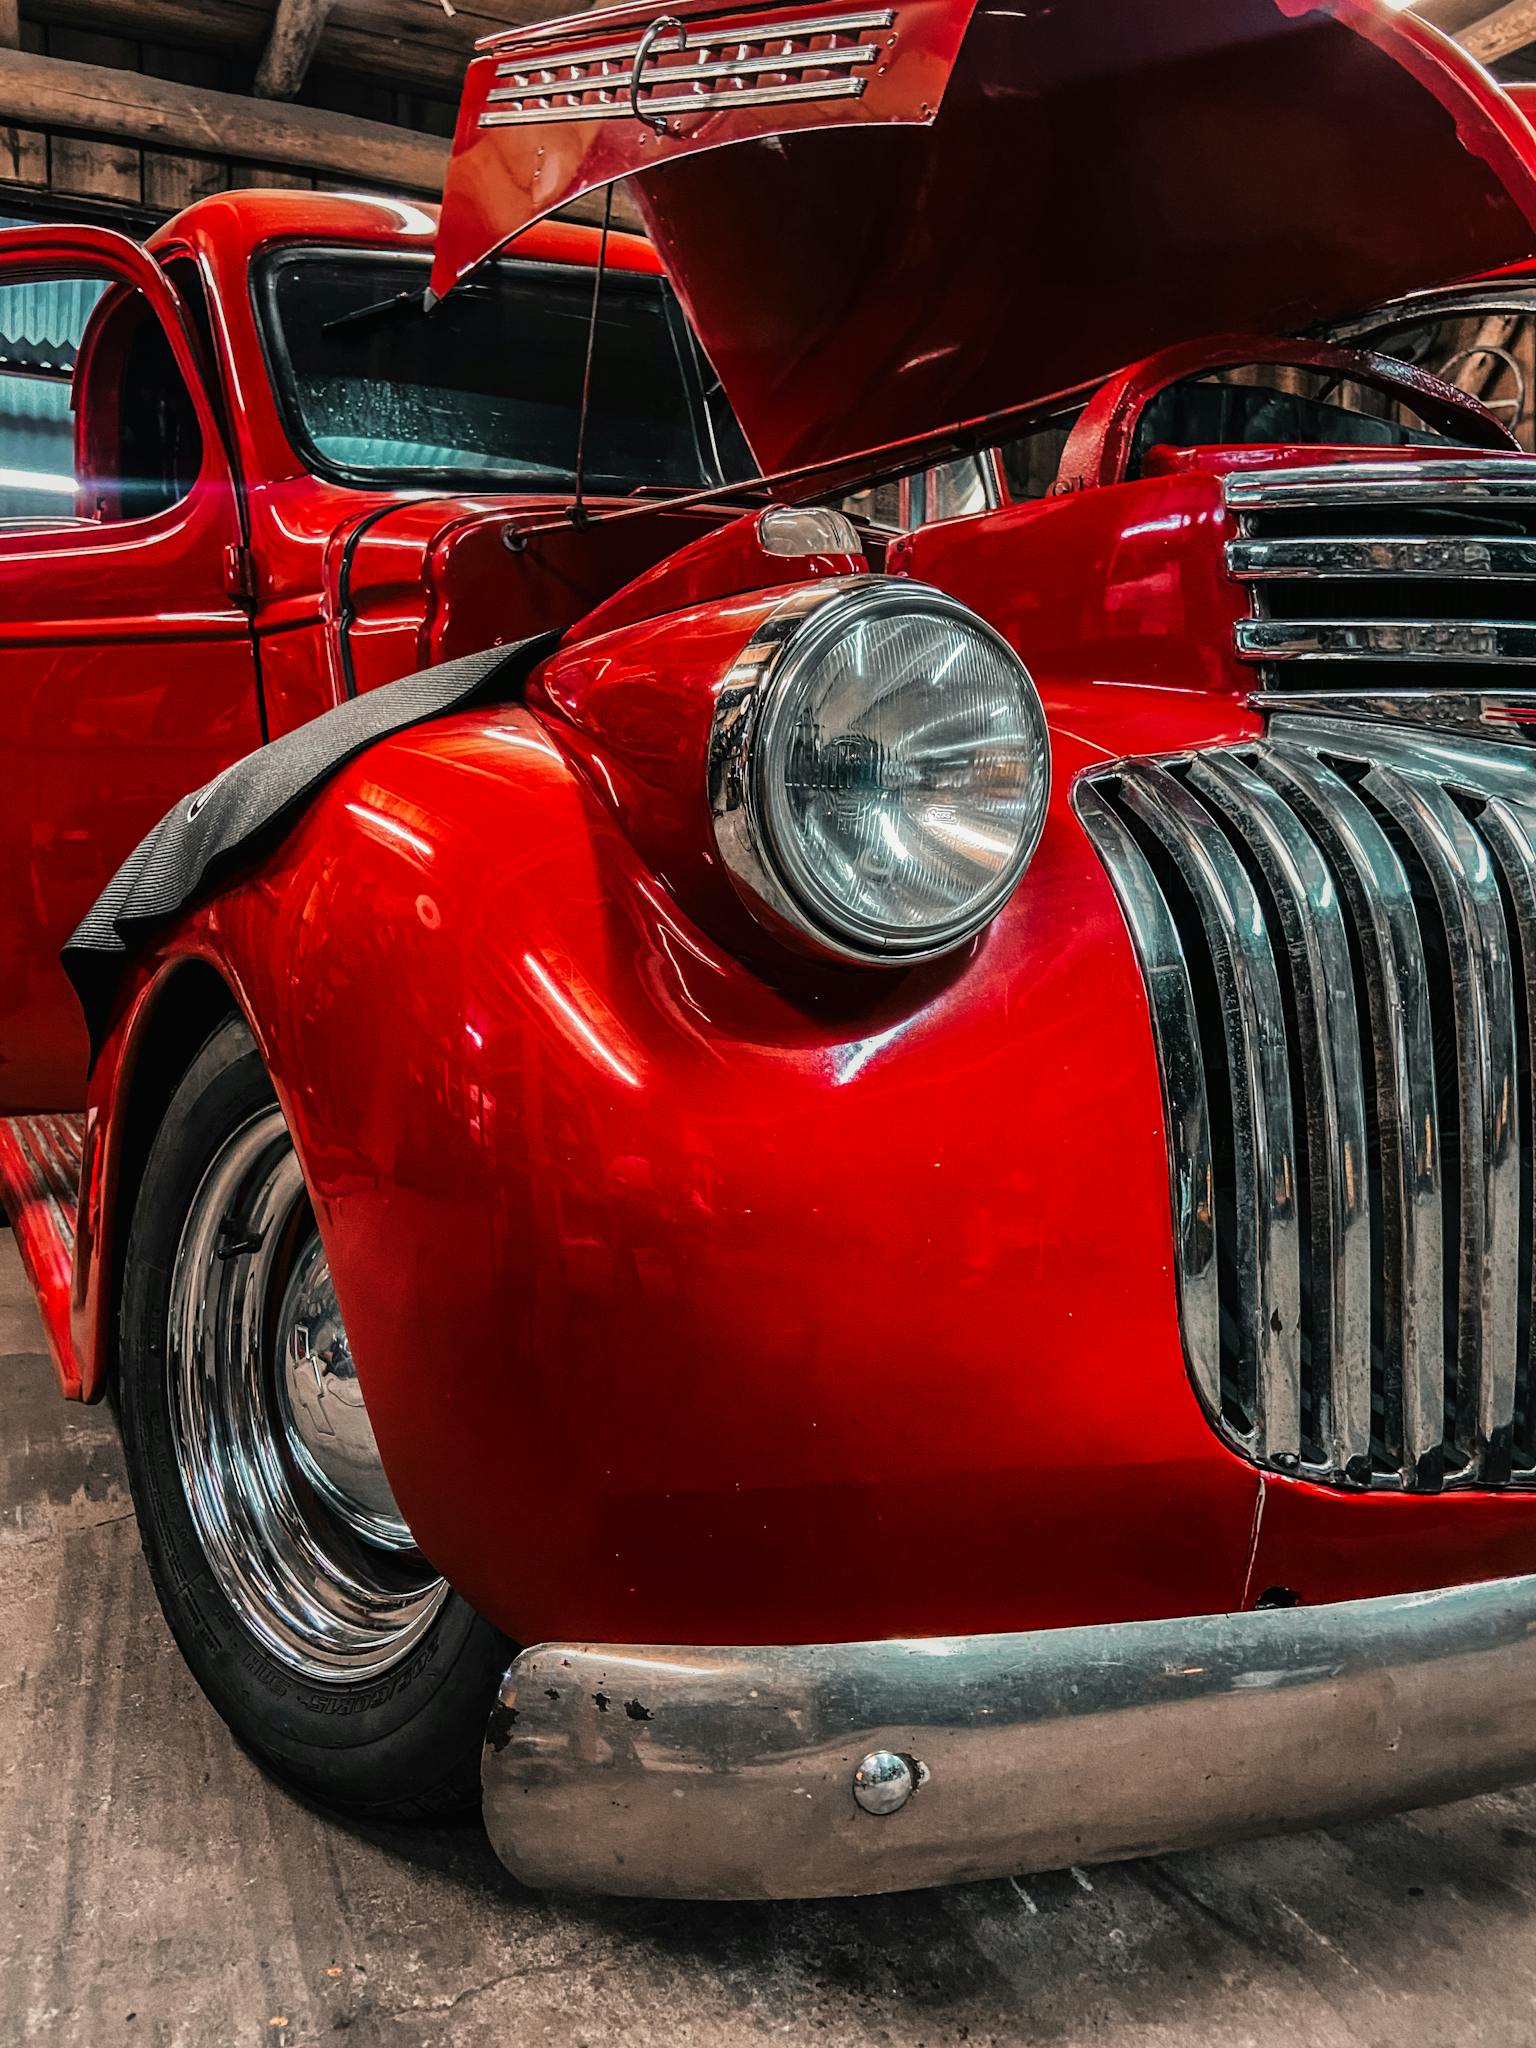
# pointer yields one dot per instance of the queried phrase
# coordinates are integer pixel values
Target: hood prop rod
(577, 512)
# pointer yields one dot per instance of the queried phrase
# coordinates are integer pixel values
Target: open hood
(886, 219)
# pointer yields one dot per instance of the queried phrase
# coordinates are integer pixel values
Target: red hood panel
(966, 211)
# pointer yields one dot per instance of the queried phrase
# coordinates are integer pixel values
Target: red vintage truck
(850, 1202)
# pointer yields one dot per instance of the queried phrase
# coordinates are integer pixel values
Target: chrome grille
(1365, 575)
(1337, 927)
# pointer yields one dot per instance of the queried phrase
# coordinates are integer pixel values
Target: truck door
(127, 664)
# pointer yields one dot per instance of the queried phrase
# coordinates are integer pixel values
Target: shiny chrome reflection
(1386, 570)
(984, 1756)
(1337, 926)
(323, 1409)
(282, 1478)
(878, 772)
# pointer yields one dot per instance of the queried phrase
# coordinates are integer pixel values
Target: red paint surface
(698, 1308)
(699, 1294)
(128, 666)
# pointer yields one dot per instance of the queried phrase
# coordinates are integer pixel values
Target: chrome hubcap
(326, 1421)
(276, 1452)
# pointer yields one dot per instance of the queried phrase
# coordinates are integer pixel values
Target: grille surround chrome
(1336, 926)
(1388, 592)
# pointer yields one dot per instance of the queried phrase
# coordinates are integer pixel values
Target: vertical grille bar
(1510, 830)
(1333, 1090)
(1172, 1004)
(1376, 889)
(1268, 1253)
(1461, 874)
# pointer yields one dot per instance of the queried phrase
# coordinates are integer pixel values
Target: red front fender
(690, 1309)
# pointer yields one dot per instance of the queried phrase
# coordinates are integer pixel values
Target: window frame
(692, 365)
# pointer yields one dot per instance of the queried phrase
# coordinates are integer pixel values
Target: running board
(39, 1183)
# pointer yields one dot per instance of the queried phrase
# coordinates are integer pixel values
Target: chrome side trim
(1484, 558)
(1485, 642)
(677, 103)
(603, 81)
(540, 64)
(681, 1772)
(1185, 1105)
(689, 74)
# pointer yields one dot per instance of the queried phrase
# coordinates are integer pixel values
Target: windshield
(486, 387)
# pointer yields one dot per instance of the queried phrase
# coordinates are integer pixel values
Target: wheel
(315, 1626)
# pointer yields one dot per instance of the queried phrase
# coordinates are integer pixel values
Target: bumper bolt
(884, 1782)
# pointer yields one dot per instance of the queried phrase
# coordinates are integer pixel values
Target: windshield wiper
(407, 302)
(401, 302)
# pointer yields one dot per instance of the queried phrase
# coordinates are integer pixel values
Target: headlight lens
(881, 769)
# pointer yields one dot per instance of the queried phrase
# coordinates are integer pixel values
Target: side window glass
(41, 325)
(956, 490)
(96, 422)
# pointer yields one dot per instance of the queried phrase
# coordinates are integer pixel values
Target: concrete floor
(156, 1888)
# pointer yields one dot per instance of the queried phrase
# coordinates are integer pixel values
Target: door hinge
(240, 575)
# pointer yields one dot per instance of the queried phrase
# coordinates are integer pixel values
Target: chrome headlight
(879, 769)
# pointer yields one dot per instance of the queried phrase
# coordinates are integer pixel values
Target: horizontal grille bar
(1385, 640)
(1510, 478)
(1428, 556)
(1337, 929)
(1396, 565)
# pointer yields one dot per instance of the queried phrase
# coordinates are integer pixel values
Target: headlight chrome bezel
(756, 700)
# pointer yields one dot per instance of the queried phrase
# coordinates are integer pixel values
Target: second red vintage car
(851, 1203)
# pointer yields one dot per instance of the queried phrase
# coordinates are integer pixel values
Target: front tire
(290, 1582)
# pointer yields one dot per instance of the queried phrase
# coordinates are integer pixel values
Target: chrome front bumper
(730, 1773)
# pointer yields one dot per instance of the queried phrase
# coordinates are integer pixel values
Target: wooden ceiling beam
(157, 113)
(1453, 15)
(1501, 32)
(408, 44)
(296, 32)
(94, 99)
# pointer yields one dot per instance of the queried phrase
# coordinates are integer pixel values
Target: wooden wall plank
(173, 180)
(268, 177)
(23, 157)
(91, 169)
